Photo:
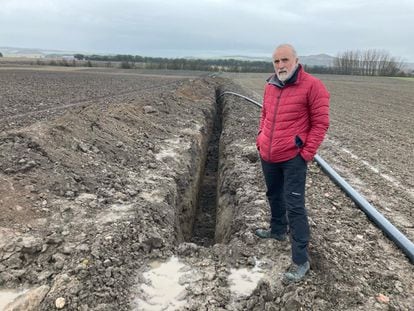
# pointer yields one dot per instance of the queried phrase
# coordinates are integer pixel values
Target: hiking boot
(267, 234)
(295, 273)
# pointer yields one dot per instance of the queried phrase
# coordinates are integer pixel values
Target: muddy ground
(98, 194)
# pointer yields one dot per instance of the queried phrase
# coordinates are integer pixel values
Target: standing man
(293, 123)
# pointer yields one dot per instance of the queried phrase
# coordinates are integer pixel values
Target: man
(293, 123)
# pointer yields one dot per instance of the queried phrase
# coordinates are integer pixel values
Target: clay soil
(100, 172)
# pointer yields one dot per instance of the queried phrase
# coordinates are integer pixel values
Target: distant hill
(408, 67)
(31, 52)
(310, 60)
(317, 60)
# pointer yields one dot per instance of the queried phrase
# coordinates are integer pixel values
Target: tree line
(136, 61)
(371, 62)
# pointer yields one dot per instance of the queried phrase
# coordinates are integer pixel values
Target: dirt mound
(89, 196)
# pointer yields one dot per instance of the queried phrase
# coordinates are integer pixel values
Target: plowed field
(101, 173)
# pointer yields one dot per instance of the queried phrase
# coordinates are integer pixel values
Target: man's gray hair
(287, 45)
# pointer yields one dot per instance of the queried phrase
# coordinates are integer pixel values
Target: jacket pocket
(298, 141)
(257, 140)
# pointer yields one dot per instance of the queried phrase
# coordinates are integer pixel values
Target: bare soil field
(33, 93)
(99, 193)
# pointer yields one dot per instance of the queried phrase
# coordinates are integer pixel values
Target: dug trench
(151, 203)
(91, 198)
(203, 229)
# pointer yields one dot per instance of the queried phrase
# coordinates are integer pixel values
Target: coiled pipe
(388, 228)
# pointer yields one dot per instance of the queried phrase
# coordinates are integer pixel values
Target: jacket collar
(275, 80)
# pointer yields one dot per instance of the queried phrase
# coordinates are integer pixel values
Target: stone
(28, 166)
(252, 156)
(54, 240)
(65, 232)
(9, 170)
(86, 198)
(132, 192)
(152, 165)
(83, 147)
(154, 242)
(59, 265)
(93, 204)
(44, 275)
(60, 303)
(108, 272)
(69, 194)
(12, 260)
(6, 277)
(18, 273)
(31, 245)
(44, 248)
(83, 248)
(185, 249)
(383, 299)
(67, 249)
(80, 267)
(150, 109)
(107, 262)
(293, 304)
(120, 196)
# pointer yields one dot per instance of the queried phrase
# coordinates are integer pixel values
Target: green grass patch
(404, 78)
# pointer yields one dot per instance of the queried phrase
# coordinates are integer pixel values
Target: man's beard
(284, 76)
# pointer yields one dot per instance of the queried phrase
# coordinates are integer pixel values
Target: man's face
(284, 62)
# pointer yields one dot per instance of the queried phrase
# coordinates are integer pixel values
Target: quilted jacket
(294, 118)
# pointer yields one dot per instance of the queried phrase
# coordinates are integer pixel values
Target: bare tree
(348, 62)
(370, 62)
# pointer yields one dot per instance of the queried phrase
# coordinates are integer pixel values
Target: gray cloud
(206, 27)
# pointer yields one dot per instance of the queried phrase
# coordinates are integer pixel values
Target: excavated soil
(99, 196)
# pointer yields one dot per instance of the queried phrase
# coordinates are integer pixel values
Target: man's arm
(318, 102)
(262, 118)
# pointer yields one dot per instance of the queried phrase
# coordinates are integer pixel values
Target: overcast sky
(180, 28)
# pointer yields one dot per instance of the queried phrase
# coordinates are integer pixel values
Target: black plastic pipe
(376, 217)
(239, 95)
(392, 232)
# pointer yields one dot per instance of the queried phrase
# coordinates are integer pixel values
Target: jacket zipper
(274, 122)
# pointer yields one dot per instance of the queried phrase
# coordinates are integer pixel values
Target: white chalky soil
(7, 296)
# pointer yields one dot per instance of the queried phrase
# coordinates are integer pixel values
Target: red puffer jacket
(294, 119)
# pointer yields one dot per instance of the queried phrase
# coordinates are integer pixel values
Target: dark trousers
(285, 183)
